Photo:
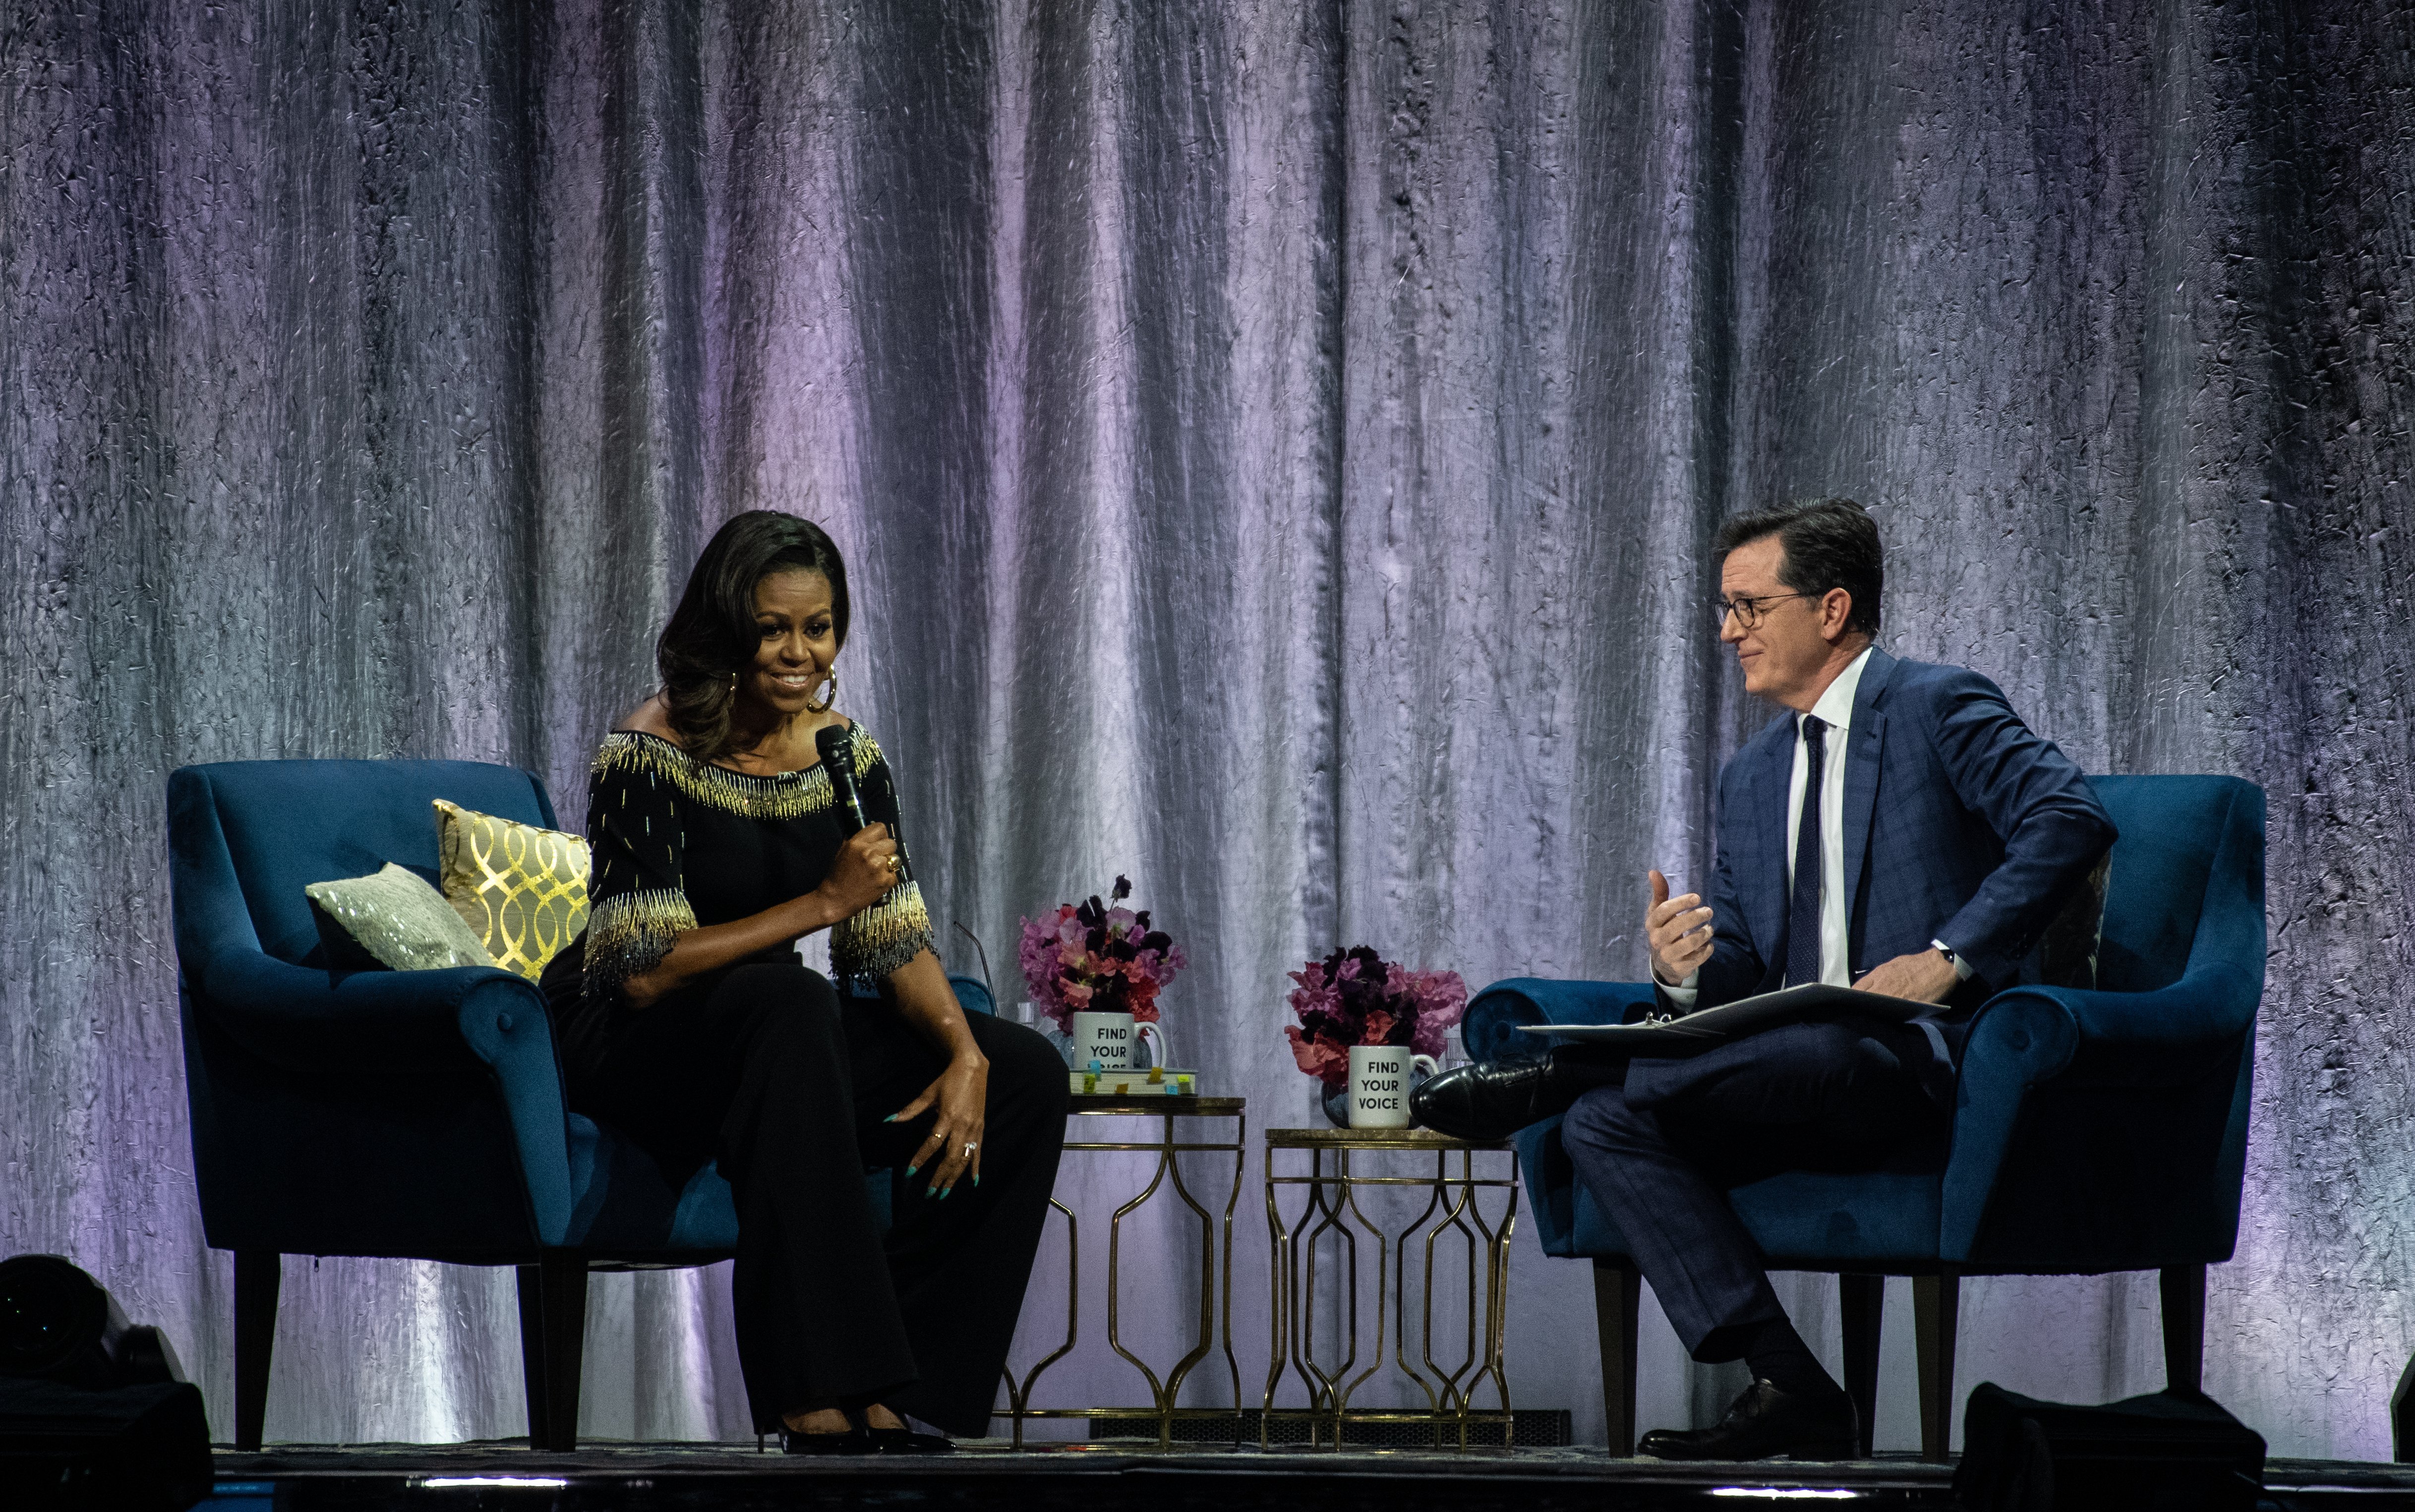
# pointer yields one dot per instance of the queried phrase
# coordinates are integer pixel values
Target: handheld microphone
(836, 744)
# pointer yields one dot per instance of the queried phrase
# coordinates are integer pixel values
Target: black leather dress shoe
(1763, 1422)
(1492, 1100)
(905, 1441)
(854, 1440)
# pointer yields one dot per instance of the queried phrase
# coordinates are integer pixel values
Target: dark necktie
(1803, 918)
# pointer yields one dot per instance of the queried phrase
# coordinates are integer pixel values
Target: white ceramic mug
(1108, 1043)
(1379, 1085)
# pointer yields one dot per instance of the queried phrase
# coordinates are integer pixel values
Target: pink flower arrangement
(1355, 998)
(1099, 958)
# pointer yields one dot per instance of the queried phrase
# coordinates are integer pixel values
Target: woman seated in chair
(687, 1022)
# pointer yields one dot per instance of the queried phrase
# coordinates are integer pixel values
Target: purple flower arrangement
(1357, 998)
(1098, 958)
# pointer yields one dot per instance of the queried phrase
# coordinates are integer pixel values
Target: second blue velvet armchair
(2092, 1130)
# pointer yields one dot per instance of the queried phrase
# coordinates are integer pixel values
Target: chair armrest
(1489, 1031)
(2175, 1034)
(2030, 1038)
(314, 1021)
(465, 1021)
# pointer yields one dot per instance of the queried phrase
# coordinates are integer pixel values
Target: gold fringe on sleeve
(629, 934)
(884, 937)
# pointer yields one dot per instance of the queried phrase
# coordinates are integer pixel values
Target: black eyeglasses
(1749, 610)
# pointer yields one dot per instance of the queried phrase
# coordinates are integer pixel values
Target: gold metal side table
(1339, 1166)
(1215, 1279)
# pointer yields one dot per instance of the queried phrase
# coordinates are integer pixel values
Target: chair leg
(540, 1408)
(1936, 1306)
(1861, 1304)
(553, 1340)
(2402, 1416)
(257, 1276)
(1618, 1296)
(2183, 1296)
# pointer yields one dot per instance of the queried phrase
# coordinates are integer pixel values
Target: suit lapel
(1863, 762)
(1768, 920)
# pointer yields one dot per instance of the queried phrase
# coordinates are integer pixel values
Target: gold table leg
(1333, 1206)
(1165, 1394)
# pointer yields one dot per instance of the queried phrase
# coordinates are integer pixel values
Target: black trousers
(766, 1070)
(1661, 1142)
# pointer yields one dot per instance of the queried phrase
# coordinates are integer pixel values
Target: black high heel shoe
(905, 1441)
(854, 1440)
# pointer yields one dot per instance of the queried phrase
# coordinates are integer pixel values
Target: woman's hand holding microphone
(867, 866)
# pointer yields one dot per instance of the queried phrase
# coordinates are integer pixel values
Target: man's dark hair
(1829, 543)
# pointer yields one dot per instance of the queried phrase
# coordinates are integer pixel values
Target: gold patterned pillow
(521, 890)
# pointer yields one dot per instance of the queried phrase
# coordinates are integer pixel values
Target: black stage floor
(1114, 1477)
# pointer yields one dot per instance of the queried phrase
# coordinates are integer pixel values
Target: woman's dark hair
(712, 634)
(1829, 543)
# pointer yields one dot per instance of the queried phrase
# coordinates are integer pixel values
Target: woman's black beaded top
(679, 844)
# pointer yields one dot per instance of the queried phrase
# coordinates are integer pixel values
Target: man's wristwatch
(1952, 959)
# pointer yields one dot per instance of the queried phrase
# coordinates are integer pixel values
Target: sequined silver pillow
(401, 921)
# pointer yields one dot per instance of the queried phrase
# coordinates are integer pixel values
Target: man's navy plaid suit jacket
(1960, 824)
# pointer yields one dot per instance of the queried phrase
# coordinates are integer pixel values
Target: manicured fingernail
(912, 1169)
(944, 1191)
(891, 1119)
(976, 1181)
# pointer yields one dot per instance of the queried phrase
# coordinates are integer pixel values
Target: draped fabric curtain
(1277, 446)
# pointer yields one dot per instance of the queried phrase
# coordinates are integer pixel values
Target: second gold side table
(1340, 1164)
(1215, 1278)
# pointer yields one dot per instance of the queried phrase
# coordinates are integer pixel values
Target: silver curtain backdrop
(1277, 445)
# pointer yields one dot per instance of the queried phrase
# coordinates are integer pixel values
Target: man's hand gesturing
(1678, 930)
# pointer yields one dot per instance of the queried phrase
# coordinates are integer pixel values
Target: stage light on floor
(537, 1483)
(58, 1324)
(1789, 1493)
(2174, 1450)
(94, 1411)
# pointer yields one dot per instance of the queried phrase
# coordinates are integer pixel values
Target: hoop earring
(830, 697)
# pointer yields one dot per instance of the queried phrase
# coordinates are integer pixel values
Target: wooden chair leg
(1861, 1304)
(1618, 1296)
(257, 1276)
(540, 1411)
(553, 1341)
(2402, 1416)
(2184, 1297)
(1936, 1306)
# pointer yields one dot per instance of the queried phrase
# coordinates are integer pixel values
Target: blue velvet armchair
(404, 1113)
(2092, 1131)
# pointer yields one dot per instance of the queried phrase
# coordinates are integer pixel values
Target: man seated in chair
(1898, 830)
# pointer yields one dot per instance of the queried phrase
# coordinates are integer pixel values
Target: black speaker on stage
(94, 1412)
(2169, 1451)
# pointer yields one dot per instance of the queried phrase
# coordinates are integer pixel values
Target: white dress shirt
(1835, 711)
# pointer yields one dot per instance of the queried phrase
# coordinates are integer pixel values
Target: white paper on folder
(1687, 1034)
